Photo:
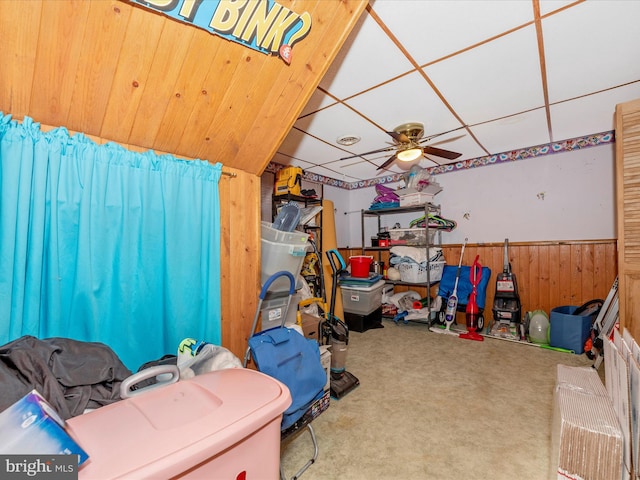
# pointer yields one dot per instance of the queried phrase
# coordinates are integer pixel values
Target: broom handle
(455, 286)
(506, 266)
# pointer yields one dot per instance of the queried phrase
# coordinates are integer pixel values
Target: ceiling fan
(409, 139)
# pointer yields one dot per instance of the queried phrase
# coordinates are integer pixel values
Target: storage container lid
(166, 431)
(364, 288)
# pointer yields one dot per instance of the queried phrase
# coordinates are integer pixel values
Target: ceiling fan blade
(430, 137)
(380, 150)
(446, 140)
(439, 152)
(399, 137)
(387, 163)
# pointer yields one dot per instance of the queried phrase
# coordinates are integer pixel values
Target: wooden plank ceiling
(117, 71)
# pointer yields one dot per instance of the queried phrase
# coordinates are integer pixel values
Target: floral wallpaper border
(511, 156)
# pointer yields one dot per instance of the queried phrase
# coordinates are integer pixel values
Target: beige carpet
(433, 406)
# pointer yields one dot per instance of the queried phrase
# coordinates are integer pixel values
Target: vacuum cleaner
(336, 334)
(472, 311)
(507, 310)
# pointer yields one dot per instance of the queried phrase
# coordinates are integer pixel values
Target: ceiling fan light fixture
(409, 155)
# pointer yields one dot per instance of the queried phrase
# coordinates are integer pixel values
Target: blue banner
(262, 25)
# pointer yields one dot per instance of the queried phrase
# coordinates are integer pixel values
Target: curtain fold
(98, 243)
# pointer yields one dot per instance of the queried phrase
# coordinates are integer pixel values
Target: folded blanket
(71, 375)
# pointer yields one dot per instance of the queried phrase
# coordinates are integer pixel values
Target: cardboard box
(32, 427)
(310, 326)
(586, 439)
(620, 361)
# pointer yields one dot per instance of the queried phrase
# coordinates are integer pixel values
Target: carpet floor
(433, 406)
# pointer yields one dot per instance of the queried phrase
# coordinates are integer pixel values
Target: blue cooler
(567, 330)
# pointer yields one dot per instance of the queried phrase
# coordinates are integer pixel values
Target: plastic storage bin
(273, 310)
(281, 251)
(221, 424)
(361, 323)
(416, 198)
(567, 330)
(362, 300)
(411, 236)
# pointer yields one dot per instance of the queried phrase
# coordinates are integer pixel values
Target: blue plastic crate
(567, 330)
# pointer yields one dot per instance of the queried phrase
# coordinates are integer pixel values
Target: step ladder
(604, 323)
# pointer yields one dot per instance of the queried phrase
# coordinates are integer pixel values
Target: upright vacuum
(472, 312)
(507, 310)
(336, 334)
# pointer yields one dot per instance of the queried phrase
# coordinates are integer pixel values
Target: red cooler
(223, 424)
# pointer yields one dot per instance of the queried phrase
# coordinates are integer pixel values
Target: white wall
(342, 200)
(564, 196)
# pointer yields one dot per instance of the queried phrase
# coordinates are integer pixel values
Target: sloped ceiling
(504, 74)
(120, 72)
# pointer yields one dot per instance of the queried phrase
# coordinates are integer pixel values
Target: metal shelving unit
(426, 208)
(315, 282)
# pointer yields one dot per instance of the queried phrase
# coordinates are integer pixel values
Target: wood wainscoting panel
(240, 257)
(549, 274)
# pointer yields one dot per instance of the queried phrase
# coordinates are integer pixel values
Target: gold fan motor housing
(413, 130)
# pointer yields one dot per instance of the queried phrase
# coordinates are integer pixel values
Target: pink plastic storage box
(223, 424)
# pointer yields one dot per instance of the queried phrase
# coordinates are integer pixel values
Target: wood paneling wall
(549, 274)
(240, 252)
(120, 71)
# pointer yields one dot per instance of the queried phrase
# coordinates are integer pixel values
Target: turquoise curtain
(101, 244)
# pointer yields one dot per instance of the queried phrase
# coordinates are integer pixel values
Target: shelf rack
(426, 208)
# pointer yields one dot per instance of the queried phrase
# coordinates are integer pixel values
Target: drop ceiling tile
(494, 80)
(367, 58)
(408, 99)
(303, 147)
(350, 175)
(318, 101)
(583, 57)
(372, 160)
(495, 86)
(548, 6)
(465, 145)
(432, 29)
(337, 121)
(520, 131)
(284, 159)
(589, 115)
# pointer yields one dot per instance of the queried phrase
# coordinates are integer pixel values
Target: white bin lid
(168, 430)
(363, 288)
